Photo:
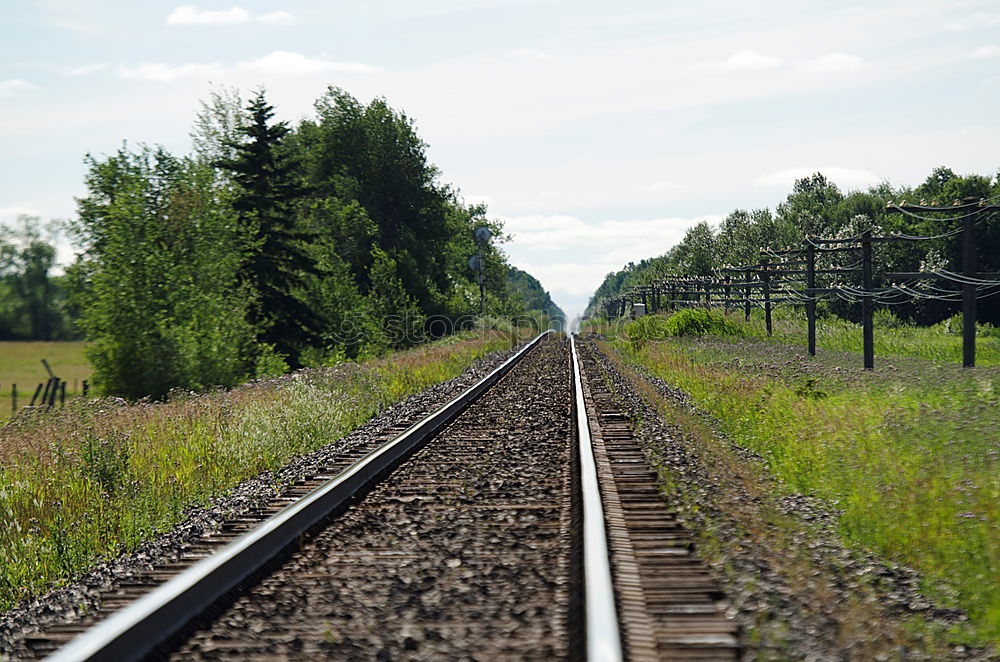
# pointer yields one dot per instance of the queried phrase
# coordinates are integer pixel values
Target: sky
(598, 132)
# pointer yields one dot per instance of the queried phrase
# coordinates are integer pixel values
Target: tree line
(273, 246)
(816, 207)
(33, 301)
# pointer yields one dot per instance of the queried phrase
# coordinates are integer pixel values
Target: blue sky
(598, 131)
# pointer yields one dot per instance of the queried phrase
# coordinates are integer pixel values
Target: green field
(21, 364)
(908, 452)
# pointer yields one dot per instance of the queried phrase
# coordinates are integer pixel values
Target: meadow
(21, 364)
(908, 453)
(101, 476)
(940, 343)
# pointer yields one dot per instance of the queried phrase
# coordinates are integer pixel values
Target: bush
(694, 322)
(688, 322)
(158, 285)
(885, 319)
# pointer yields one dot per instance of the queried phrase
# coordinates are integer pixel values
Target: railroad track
(519, 521)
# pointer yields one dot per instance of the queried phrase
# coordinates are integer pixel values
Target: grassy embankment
(98, 478)
(20, 363)
(909, 452)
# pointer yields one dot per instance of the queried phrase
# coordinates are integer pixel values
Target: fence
(48, 394)
(790, 277)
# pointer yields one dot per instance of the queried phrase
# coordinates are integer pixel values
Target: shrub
(694, 322)
(688, 322)
(885, 319)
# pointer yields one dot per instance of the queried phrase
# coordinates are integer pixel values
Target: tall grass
(893, 338)
(911, 455)
(98, 478)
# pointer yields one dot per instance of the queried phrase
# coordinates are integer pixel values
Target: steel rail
(135, 631)
(601, 630)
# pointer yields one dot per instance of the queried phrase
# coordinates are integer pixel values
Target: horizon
(597, 135)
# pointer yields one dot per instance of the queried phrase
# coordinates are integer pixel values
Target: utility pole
(810, 287)
(969, 290)
(766, 277)
(971, 211)
(867, 312)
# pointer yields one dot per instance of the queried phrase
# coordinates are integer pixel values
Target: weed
(909, 454)
(98, 478)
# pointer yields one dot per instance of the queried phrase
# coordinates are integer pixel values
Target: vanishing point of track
(519, 521)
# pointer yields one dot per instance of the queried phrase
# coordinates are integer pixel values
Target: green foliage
(274, 245)
(687, 322)
(106, 461)
(32, 301)
(531, 293)
(95, 480)
(909, 455)
(884, 319)
(893, 337)
(158, 284)
(276, 261)
(817, 207)
(696, 322)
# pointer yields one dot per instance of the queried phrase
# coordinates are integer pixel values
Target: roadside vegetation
(941, 342)
(816, 207)
(33, 300)
(908, 453)
(98, 478)
(270, 246)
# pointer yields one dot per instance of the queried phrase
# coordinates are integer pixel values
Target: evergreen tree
(277, 260)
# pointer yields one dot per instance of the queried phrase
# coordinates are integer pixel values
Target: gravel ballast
(80, 599)
(462, 552)
(798, 590)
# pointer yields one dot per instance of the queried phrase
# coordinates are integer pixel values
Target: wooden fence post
(38, 390)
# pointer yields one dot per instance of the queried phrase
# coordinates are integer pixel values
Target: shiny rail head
(602, 630)
(134, 632)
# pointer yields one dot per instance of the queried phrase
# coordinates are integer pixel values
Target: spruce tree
(276, 262)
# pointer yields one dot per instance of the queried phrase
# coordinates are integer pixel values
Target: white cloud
(84, 70)
(157, 71)
(577, 280)
(844, 177)
(571, 257)
(605, 241)
(14, 86)
(277, 18)
(479, 199)
(282, 63)
(977, 20)
(831, 63)
(13, 211)
(530, 54)
(986, 52)
(659, 187)
(750, 61)
(191, 15)
(295, 64)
